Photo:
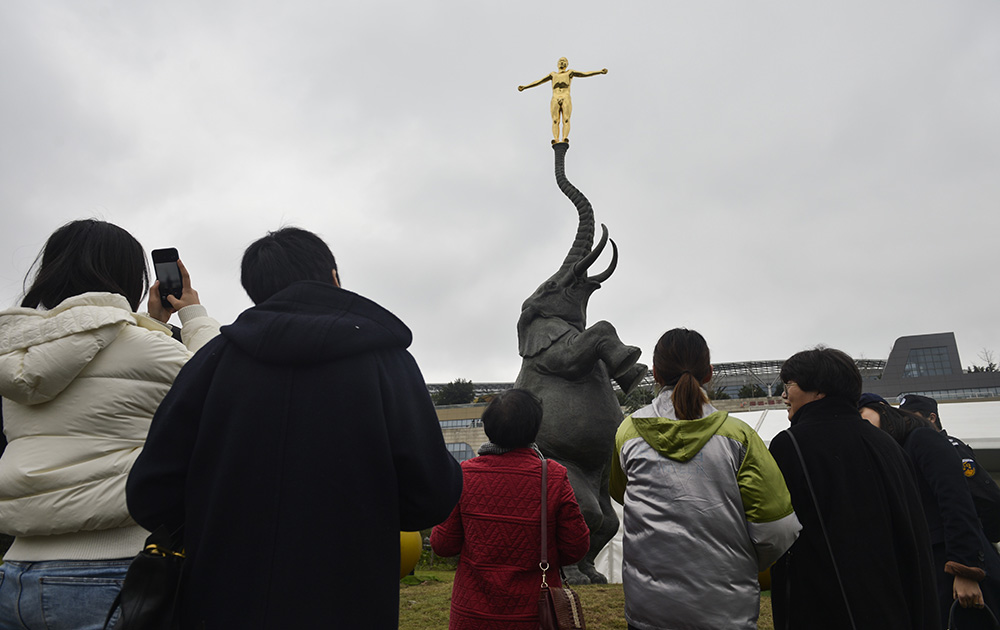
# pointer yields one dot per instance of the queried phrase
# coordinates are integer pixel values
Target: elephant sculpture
(570, 367)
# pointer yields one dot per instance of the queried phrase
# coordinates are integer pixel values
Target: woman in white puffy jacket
(81, 374)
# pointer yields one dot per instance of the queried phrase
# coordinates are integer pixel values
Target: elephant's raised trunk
(580, 256)
(585, 229)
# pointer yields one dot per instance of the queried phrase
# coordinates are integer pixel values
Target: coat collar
(824, 409)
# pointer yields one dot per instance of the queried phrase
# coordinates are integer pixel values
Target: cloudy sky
(776, 174)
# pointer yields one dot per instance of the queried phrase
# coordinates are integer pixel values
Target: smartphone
(168, 273)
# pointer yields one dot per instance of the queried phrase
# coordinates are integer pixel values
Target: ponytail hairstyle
(682, 362)
(84, 256)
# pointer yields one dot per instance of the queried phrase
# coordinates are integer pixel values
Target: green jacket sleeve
(618, 478)
(771, 521)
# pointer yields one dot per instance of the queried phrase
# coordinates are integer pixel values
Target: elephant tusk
(601, 277)
(581, 267)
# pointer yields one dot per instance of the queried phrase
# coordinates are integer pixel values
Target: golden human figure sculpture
(562, 104)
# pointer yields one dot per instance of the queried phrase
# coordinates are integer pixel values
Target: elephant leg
(575, 355)
(587, 496)
(600, 538)
(632, 377)
(616, 355)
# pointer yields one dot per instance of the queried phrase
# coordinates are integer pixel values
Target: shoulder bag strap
(544, 561)
(822, 525)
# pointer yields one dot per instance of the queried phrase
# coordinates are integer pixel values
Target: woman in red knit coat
(496, 526)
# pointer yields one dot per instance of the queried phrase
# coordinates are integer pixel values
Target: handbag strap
(951, 616)
(543, 563)
(822, 526)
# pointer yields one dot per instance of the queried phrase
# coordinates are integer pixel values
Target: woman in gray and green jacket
(706, 507)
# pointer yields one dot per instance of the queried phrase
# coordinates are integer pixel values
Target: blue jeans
(59, 594)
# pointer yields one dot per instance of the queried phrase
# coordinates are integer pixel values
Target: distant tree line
(463, 392)
(457, 392)
(987, 357)
(746, 391)
(636, 399)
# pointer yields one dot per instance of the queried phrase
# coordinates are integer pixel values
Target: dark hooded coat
(871, 508)
(957, 539)
(293, 449)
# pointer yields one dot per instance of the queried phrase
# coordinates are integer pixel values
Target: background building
(928, 365)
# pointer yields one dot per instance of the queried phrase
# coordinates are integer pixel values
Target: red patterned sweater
(496, 528)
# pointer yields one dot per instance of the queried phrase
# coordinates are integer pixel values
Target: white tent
(975, 423)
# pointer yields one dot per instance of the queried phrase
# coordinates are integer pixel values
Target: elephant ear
(536, 333)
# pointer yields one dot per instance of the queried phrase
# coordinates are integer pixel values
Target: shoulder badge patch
(969, 467)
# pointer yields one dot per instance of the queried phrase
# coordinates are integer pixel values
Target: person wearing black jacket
(292, 450)
(967, 567)
(985, 492)
(863, 557)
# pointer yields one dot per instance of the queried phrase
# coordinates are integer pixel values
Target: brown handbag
(558, 608)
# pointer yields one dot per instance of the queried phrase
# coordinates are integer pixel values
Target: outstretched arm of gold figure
(589, 74)
(547, 77)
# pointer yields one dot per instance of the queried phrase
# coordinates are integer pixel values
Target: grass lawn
(424, 600)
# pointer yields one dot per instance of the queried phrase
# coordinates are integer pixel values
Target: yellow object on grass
(764, 579)
(410, 547)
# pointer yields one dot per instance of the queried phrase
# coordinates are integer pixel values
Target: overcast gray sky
(776, 174)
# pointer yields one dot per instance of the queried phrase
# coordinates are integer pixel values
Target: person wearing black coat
(966, 565)
(985, 492)
(872, 566)
(292, 450)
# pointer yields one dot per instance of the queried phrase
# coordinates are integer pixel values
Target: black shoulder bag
(150, 593)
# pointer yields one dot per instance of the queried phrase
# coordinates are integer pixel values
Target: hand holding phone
(168, 273)
(168, 294)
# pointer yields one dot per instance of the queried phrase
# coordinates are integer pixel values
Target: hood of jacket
(679, 440)
(311, 322)
(43, 351)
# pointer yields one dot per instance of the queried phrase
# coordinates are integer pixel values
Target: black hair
(282, 257)
(923, 406)
(898, 423)
(84, 256)
(512, 418)
(925, 416)
(936, 423)
(825, 370)
(682, 361)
